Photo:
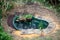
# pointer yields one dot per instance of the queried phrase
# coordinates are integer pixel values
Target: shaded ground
(9, 20)
(37, 10)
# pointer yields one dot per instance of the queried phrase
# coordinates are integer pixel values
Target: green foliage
(1, 28)
(24, 1)
(25, 16)
(41, 25)
(6, 5)
(41, 1)
(28, 16)
(0, 16)
(9, 6)
(29, 1)
(0, 13)
(1, 3)
(4, 36)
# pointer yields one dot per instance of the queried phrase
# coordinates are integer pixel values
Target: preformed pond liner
(34, 24)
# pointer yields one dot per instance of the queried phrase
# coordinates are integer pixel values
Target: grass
(3, 34)
(28, 16)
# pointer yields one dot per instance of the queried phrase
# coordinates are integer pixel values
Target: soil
(38, 11)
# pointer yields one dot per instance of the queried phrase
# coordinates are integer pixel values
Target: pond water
(34, 24)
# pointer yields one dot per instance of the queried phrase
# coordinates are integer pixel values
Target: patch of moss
(28, 16)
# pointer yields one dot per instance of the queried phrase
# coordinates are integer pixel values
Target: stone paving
(30, 31)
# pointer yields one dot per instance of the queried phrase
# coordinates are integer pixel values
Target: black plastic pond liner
(33, 24)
